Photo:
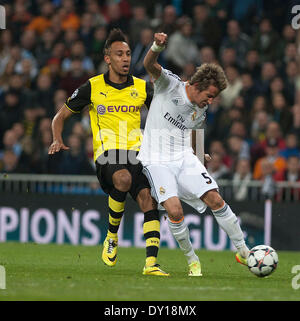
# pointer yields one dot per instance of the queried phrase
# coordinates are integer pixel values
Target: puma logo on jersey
(101, 93)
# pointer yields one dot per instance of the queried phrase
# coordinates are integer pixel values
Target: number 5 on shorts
(208, 179)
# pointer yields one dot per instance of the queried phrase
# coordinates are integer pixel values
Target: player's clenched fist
(160, 39)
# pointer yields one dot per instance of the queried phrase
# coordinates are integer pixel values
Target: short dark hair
(115, 34)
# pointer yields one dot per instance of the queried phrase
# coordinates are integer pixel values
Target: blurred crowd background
(50, 47)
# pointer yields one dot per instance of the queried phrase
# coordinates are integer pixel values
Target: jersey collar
(129, 82)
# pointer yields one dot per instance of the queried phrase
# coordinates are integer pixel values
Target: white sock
(181, 233)
(230, 224)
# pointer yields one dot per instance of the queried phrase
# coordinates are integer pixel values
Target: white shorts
(187, 179)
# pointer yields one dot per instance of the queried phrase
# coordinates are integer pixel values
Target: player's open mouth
(126, 67)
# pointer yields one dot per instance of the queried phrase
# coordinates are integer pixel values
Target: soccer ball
(262, 260)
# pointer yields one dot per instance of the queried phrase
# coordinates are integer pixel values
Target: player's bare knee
(213, 200)
(175, 214)
(122, 182)
(145, 200)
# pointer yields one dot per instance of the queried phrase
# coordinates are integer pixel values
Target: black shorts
(113, 160)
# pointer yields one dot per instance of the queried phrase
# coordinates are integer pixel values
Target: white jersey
(172, 116)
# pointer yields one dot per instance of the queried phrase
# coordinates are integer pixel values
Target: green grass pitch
(67, 272)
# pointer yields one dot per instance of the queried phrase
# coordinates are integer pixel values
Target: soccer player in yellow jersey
(114, 100)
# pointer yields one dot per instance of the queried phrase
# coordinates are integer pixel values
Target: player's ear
(107, 59)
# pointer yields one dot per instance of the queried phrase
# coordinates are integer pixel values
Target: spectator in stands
(181, 48)
(237, 40)
(30, 119)
(43, 95)
(43, 21)
(188, 70)
(207, 30)
(281, 112)
(138, 22)
(252, 64)
(291, 79)
(58, 52)
(93, 7)
(268, 72)
(228, 57)
(237, 148)
(259, 125)
(68, 15)
(213, 116)
(234, 86)
(259, 104)
(78, 53)
(273, 132)
(238, 128)
(168, 24)
(139, 53)
(115, 17)
(10, 164)
(265, 40)
(98, 45)
(249, 90)
(225, 122)
(75, 77)
(18, 128)
(216, 168)
(207, 55)
(44, 47)
(272, 156)
(218, 147)
(79, 130)
(20, 18)
(240, 179)
(276, 86)
(292, 146)
(70, 36)
(6, 43)
(11, 142)
(290, 174)
(86, 31)
(11, 111)
(296, 118)
(73, 161)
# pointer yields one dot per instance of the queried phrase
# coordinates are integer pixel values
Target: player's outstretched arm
(150, 60)
(57, 128)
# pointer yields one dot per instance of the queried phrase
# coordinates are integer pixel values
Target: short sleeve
(80, 98)
(166, 81)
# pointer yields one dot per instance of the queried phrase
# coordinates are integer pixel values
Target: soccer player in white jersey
(175, 173)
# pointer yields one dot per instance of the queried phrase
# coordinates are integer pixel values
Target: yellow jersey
(115, 111)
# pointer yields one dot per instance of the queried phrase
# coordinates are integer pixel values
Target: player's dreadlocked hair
(209, 74)
(115, 34)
